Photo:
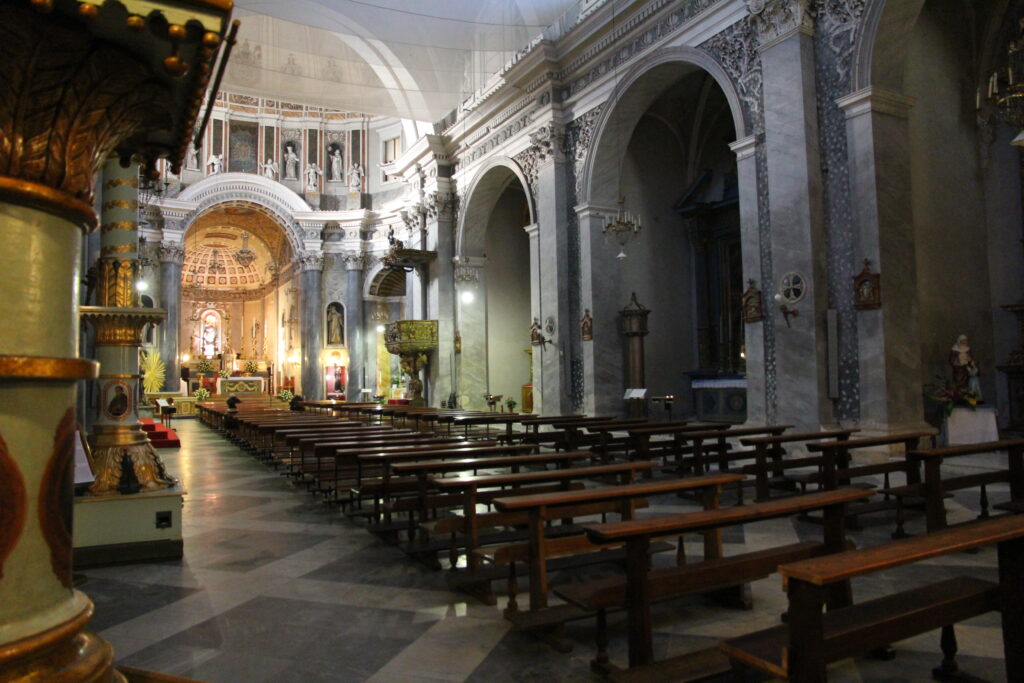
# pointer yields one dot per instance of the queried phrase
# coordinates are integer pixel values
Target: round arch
(633, 96)
(279, 202)
(484, 190)
(881, 46)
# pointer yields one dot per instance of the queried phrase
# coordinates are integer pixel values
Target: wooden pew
(934, 487)
(641, 438)
(771, 446)
(641, 585)
(800, 650)
(546, 507)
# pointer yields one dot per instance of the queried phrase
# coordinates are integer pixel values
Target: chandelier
(245, 256)
(1005, 88)
(622, 226)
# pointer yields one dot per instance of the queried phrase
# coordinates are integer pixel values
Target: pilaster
(471, 324)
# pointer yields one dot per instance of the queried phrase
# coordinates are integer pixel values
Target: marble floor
(275, 586)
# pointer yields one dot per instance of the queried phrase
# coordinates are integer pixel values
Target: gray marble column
(888, 337)
(750, 246)
(172, 255)
(471, 319)
(552, 283)
(603, 372)
(797, 218)
(312, 265)
(441, 291)
(355, 324)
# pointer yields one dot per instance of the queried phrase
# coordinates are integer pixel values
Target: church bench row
(801, 649)
(771, 447)
(641, 585)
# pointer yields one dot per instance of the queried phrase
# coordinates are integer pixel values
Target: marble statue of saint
(355, 177)
(335, 325)
(215, 163)
(336, 164)
(312, 171)
(192, 157)
(269, 169)
(965, 369)
(291, 163)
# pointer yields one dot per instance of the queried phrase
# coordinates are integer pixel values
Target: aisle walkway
(275, 586)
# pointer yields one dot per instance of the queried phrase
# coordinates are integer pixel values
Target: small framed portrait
(867, 290)
(117, 400)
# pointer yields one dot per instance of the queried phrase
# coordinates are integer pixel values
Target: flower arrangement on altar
(285, 395)
(204, 366)
(251, 366)
(223, 374)
(202, 394)
(949, 395)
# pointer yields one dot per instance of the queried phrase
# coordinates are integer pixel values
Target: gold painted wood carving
(68, 100)
(12, 503)
(56, 498)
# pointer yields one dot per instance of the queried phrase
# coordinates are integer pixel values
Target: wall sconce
(787, 312)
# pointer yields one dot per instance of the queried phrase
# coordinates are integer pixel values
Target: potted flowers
(250, 368)
(204, 367)
(202, 394)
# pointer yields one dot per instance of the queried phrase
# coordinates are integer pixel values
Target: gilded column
(172, 255)
(312, 336)
(69, 99)
(124, 459)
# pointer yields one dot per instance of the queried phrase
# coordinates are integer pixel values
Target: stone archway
(484, 190)
(606, 281)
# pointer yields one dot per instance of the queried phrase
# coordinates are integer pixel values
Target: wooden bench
(544, 508)
(934, 488)
(801, 649)
(771, 446)
(641, 585)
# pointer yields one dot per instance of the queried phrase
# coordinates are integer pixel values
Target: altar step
(161, 436)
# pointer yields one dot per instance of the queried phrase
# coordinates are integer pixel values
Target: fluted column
(312, 325)
(354, 322)
(172, 255)
(70, 98)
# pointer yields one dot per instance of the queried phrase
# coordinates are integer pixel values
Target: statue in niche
(965, 369)
(291, 162)
(355, 177)
(335, 324)
(192, 157)
(269, 169)
(337, 172)
(215, 163)
(586, 326)
(312, 175)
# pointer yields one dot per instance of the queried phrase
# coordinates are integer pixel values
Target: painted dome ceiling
(233, 248)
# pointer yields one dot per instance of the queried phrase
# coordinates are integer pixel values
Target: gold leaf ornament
(154, 372)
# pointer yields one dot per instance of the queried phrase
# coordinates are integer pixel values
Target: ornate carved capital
(774, 19)
(468, 273)
(310, 261)
(354, 260)
(171, 252)
(549, 141)
(120, 326)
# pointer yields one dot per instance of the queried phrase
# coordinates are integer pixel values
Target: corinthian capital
(171, 252)
(774, 19)
(311, 260)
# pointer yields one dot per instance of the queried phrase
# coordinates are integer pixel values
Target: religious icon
(965, 368)
(867, 293)
(751, 302)
(587, 326)
(116, 405)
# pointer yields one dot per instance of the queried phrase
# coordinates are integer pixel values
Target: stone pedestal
(148, 528)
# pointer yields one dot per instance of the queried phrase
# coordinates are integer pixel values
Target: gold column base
(110, 445)
(64, 653)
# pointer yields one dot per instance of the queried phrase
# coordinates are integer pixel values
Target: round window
(793, 287)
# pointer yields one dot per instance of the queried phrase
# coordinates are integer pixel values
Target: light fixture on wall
(1005, 88)
(623, 225)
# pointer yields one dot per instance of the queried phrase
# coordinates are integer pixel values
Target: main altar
(241, 386)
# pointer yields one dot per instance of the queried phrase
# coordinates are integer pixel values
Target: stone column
(172, 255)
(354, 321)
(750, 246)
(57, 144)
(888, 338)
(795, 206)
(118, 439)
(440, 274)
(471, 306)
(603, 372)
(552, 284)
(312, 334)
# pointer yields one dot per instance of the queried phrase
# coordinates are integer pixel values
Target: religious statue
(291, 162)
(355, 177)
(192, 157)
(312, 171)
(587, 326)
(335, 324)
(337, 172)
(269, 169)
(216, 163)
(965, 369)
(536, 336)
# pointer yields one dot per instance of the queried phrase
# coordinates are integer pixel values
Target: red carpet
(161, 436)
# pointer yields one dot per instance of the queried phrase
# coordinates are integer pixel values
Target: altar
(241, 386)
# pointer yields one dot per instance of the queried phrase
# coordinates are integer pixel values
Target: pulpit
(411, 340)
